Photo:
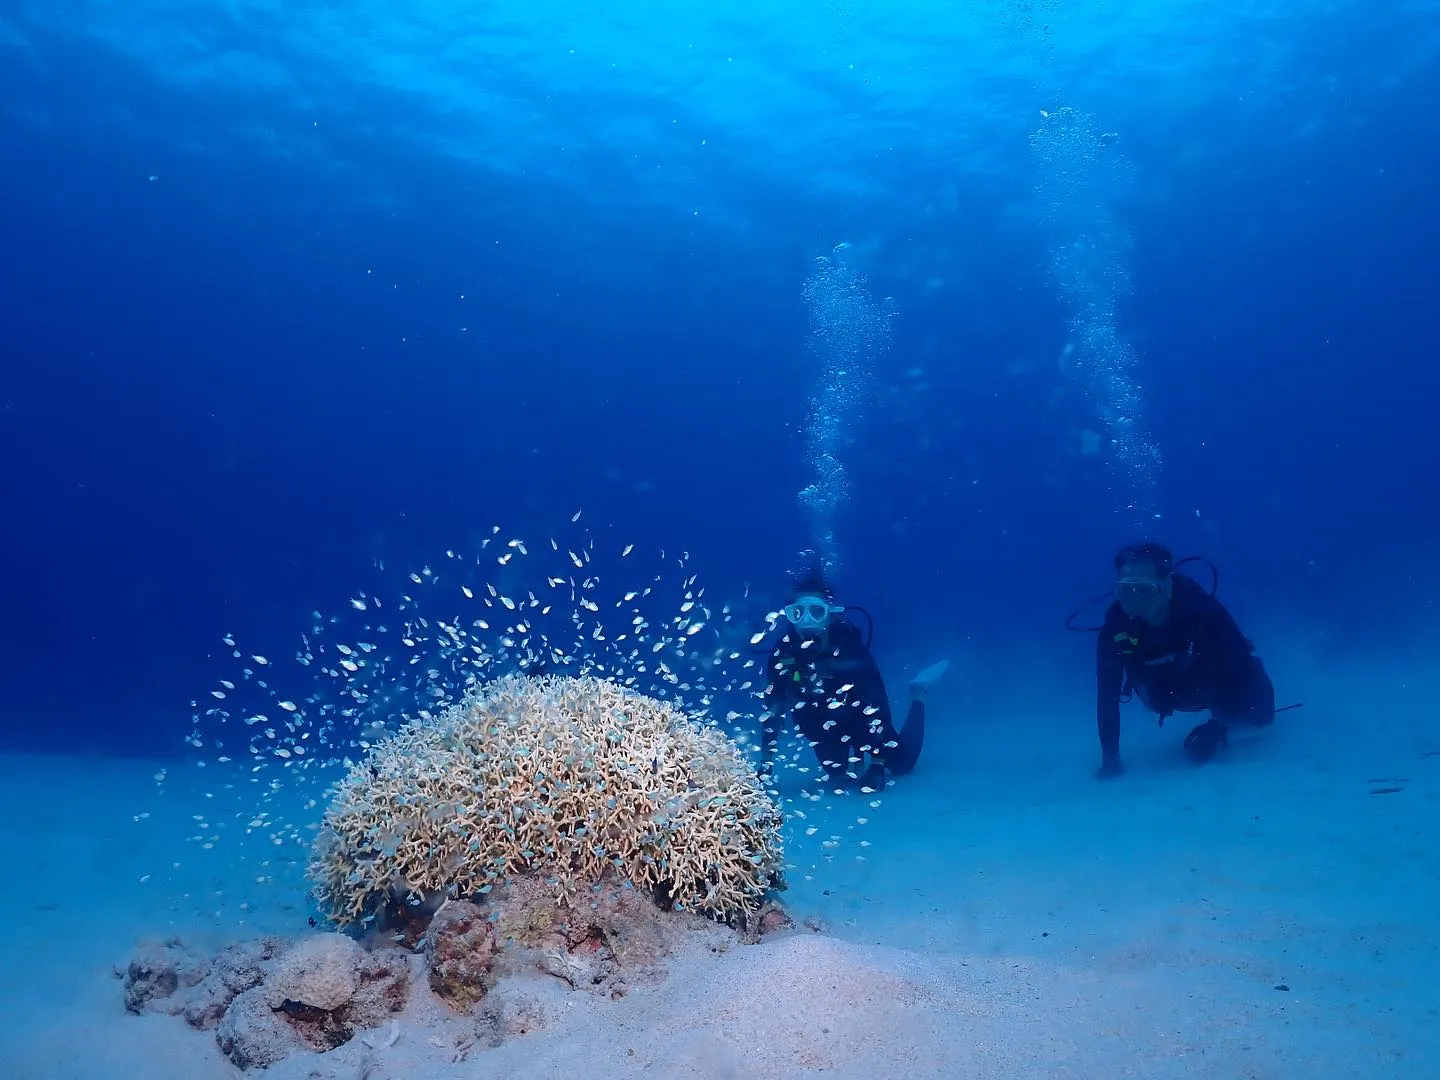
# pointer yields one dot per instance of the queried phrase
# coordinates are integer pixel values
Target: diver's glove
(1110, 767)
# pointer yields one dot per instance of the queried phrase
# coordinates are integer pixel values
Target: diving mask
(811, 612)
(1137, 591)
(1144, 598)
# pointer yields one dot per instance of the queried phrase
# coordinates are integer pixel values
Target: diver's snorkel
(869, 619)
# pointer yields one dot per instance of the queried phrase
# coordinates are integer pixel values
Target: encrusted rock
(606, 940)
(266, 1002)
(255, 1036)
(327, 989)
(382, 991)
(509, 1013)
(244, 966)
(158, 972)
(170, 978)
(460, 954)
(321, 972)
(770, 919)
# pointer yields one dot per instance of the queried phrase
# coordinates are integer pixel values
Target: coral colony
(573, 779)
(511, 771)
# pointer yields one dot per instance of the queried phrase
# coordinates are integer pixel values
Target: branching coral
(572, 779)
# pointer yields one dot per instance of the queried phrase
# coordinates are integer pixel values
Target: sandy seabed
(1270, 915)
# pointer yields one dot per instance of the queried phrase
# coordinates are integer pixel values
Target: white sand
(1011, 918)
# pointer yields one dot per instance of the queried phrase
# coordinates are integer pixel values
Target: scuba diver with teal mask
(823, 676)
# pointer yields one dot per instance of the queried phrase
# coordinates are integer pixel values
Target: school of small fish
(274, 751)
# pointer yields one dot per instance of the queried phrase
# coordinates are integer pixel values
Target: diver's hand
(1111, 768)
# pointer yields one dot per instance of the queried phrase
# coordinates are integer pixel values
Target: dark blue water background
(275, 307)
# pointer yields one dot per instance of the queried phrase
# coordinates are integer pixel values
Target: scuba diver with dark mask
(823, 675)
(1175, 647)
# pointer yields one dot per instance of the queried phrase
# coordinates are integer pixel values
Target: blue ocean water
(294, 290)
(299, 301)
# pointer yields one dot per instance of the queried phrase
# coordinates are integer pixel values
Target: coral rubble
(268, 1000)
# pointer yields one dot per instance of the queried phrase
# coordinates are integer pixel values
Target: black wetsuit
(1197, 659)
(807, 681)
